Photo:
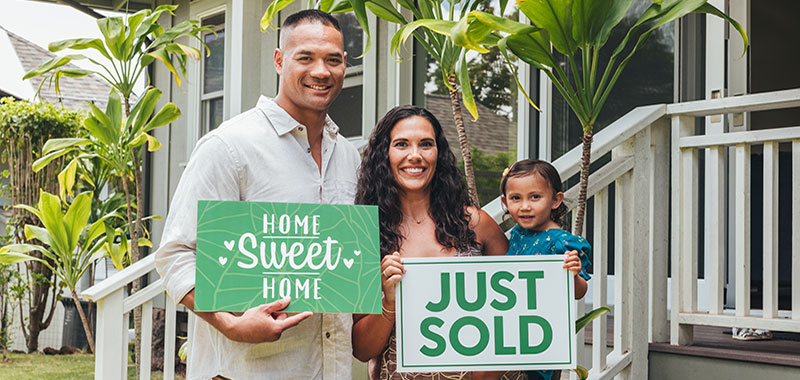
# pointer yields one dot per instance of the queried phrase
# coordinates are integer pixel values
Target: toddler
(531, 193)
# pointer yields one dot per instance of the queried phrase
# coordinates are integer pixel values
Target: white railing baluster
(600, 280)
(146, 349)
(622, 273)
(638, 257)
(659, 230)
(796, 227)
(742, 229)
(770, 224)
(125, 343)
(683, 290)
(169, 338)
(580, 309)
(111, 331)
(714, 249)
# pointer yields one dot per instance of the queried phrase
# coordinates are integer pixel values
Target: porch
(644, 197)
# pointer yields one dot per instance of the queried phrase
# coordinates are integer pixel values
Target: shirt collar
(285, 123)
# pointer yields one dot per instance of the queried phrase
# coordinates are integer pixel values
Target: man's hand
(264, 323)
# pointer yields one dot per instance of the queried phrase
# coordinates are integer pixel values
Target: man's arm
(213, 173)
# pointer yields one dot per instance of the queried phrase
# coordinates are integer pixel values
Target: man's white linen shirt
(261, 155)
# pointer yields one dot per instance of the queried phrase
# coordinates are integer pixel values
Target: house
(693, 212)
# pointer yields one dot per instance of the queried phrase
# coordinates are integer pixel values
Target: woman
(409, 172)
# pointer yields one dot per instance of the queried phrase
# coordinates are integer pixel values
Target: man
(283, 150)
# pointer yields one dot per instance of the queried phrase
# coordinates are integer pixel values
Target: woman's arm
(492, 239)
(371, 331)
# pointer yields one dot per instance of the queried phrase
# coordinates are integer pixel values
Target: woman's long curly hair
(449, 198)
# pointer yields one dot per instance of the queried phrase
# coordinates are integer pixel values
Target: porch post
(639, 257)
(659, 233)
(110, 359)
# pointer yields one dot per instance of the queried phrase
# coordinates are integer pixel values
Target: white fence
(641, 156)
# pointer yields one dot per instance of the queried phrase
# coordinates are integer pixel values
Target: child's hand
(572, 262)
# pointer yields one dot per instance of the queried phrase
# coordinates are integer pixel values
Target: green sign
(485, 314)
(324, 257)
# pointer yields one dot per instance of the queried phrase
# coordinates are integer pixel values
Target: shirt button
(300, 128)
(328, 335)
(308, 150)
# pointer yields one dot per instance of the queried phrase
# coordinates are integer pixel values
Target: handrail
(735, 104)
(120, 279)
(622, 129)
(747, 137)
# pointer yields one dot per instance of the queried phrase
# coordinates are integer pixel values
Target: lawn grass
(61, 367)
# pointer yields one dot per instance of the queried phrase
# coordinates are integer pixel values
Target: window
(347, 109)
(213, 73)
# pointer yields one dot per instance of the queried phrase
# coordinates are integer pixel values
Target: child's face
(530, 200)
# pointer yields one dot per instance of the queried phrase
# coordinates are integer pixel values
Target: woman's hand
(391, 273)
(572, 262)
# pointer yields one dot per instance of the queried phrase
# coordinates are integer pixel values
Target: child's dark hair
(549, 173)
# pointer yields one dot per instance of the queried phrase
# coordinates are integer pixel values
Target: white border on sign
(556, 304)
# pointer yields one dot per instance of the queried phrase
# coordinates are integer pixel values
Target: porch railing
(737, 146)
(641, 156)
(113, 310)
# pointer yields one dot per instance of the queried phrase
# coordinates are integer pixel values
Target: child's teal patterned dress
(548, 242)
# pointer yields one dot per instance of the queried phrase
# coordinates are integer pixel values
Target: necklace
(419, 221)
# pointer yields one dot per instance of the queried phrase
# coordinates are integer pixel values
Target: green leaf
(335, 6)
(80, 44)
(143, 109)
(66, 178)
(588, 19)
(169, 113)
(162, 55)
(10, 257)
(114, 112)
(402, 34)
(555, 16)
(152, 143)
(581, 372)
(360, 10)
(53, 220)
(710, 9)
(51, 65)
(466, 89)
(590, 316)
(504, 51)
(467, 35)
(386, 11)
(77, 217)
(99, 125)
(533, 48)
(46, 159)
(61, 143)
(113, 29)
(143, 242)
(502, 24)
(30, 209)
(38, 233)
(617, 11)
(271, 12)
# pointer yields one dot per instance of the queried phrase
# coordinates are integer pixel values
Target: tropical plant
(450, 57)
(130, 45)
(68, 246)
(577, 29)
(24, 128)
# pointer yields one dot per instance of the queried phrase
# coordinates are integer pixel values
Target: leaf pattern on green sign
(230, 280)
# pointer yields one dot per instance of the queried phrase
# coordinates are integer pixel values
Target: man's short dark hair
(311, 16)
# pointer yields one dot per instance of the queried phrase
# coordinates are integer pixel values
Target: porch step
(716, 342)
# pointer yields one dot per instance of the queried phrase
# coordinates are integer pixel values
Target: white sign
(485, 313)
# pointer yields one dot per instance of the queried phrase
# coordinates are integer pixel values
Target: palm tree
(577, 29)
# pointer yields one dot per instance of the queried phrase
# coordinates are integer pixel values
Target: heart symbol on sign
(356, 253)
(223, 260)
(348, 263)
(229, 244)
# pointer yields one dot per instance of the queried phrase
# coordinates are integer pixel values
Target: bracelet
(386, 311)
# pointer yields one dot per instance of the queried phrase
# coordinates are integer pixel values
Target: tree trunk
(585, 161)
(84, 321)
(134, 228)
(466, 150)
